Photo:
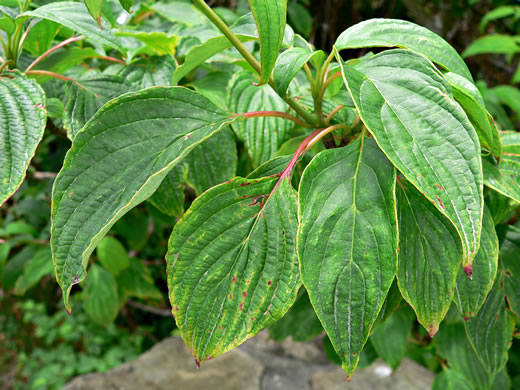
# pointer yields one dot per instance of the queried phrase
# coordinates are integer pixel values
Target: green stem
(5, 64)
(274, 114)
(224, 29)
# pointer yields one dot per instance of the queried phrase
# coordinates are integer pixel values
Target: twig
(150, 309)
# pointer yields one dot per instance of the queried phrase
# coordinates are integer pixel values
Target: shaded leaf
(510, 262)
(492, 43)
(101, 297)
(112, 255)
(169, 197)
(137, 281)
(451, 380)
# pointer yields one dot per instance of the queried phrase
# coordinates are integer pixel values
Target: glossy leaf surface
(347, 241)
(232, 264)
(409, 108)
(117, 161)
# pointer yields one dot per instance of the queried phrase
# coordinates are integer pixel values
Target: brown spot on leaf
(70, 195)
(257, 201)
(244, 294)
(220, 327)
(187, 136)
(241, 306)
(230, 296)
(244, 184)
(468, 269)
(440, 203)
(439, 187)
(234, 279)
(269, 282)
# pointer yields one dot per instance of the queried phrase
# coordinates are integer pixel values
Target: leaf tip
(468, 269)
(432, 330)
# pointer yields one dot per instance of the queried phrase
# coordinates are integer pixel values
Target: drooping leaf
(126, 4)
(232, 264)
(450, 379)
(454, 346)
(389, 340)
(492, 43)
(112, 255)
(288, 64)
(212, 162)
(271, 17)
(510, 263)
(347, 241)
(95, 7)
(87, 96)
(471, 294)
(150, 72)
(7, 24)
(40, 37)
(137, 281)
(262, 136)
(400, 33)
(429, 257)
(101, 297)
(300, 322)
(408, 106)
(116, 162)
(22, 123)
(169, 197)
(491, 330)
(76, 17)
(469, 97)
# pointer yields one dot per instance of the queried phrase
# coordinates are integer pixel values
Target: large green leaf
(40, 37)
(429, 257)
(232, 263)
(469, 97)
(347, 241)
(510, 261)
(493, 43)
(76, 17)
(400, 33)
(505, 176)
(116, 162)
(491, 330)
(389, 340)
(101, 297)
(212, 162)
(271, 17)
(408, 106)
(22, 123)
(454, 346)
(85, 98)
(471, 294)
(262, 136)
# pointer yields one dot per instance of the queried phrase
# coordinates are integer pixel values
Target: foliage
(369, 196)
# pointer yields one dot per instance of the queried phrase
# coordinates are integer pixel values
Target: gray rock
(258, 364)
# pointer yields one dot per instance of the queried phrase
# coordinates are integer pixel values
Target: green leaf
(300, 322)
(62, 60)
(271, 167)
(288, 64)
(510, 96)
(450, 379)
(471, 294)
(212, 162)
(505, 177)
(126, 4)
(502, 381)
(86, 97)
(112, 255)
(34, 269)
(469, 97)
(271, 17)
(150, 72)
(498, 13)
(7, 24)
(491, 330)
(55, 108)
(392, 302)
(511, 267)
(389, 340)
(178, 12)
(22, 123)
(429, 257)
(137, 281)
(94, 8)
(158, 43)
(408, 106)
(232, 263)
(169, 197)
(214, 87)
(76, 17)
(492, 44)
(117, 161)
(263, 136)
(400, 33)
(454, 346)
(40, 37)
(101, 297)
(347, 241)
(300, 18)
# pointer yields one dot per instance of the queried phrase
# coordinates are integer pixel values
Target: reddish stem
(47, 73)
(52, 50)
